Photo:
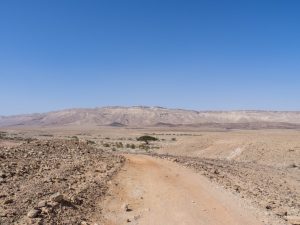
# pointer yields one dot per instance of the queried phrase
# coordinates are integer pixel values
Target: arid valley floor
(206, 175)
(106, 176)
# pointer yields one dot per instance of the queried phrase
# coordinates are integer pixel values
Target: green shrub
(144, 147)
(75, 137)
(119, 145)
(106, 145)
(147, 138)
(90, 142)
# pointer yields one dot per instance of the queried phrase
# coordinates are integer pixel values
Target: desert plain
(80, 172)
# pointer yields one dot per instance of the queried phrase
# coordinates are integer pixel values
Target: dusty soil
(154, 191)
(277, 148)
(259, 167)
(53, 182)
(276, 190)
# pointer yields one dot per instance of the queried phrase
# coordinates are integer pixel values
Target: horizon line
(149, 107)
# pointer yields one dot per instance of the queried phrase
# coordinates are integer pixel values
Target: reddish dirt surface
(155, 191)
(275, 190)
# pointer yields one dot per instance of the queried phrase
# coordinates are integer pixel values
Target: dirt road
(151, 191)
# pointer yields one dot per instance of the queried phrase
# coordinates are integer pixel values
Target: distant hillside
(156, 116)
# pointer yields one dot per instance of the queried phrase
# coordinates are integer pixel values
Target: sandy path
(160, 192)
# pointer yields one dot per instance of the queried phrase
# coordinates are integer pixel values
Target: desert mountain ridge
(144, 116)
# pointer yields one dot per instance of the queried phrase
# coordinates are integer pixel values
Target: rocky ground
(276, 190)
(61, 176)
(53, 182)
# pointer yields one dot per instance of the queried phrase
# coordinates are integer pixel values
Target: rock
(237, 188)
(294, 220)
(39, 221)
(281, 213)
(268, 207)
(216, 172)
(46, 210)
(293, 165)
(42, 204)
(76, 200)
(57, 197)
(8, 201)
(84, 223)
(33, 213)
(54, 204)
(2, 180)
(2, 175)
(3, 195)
(126, 208)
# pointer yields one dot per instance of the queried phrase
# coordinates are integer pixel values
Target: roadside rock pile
(53, 182)
(276, 190)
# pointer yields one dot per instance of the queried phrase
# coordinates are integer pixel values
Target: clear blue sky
(57, 54)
